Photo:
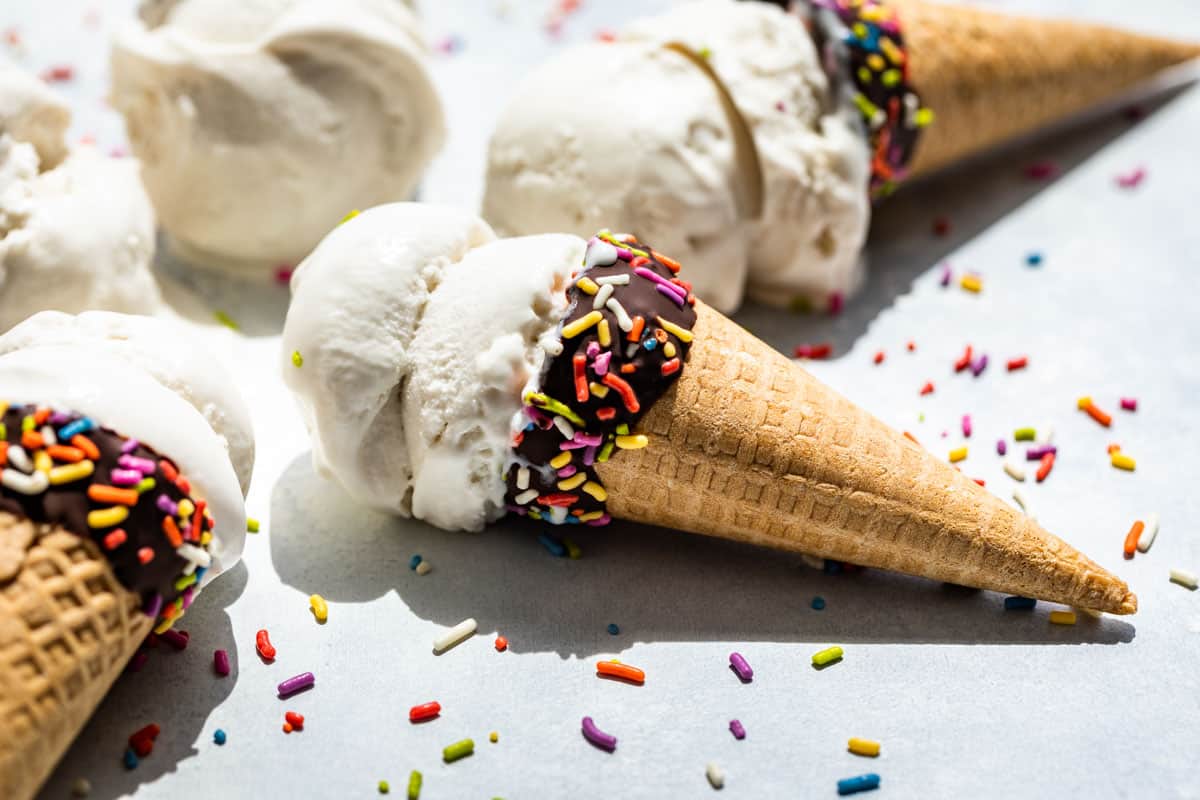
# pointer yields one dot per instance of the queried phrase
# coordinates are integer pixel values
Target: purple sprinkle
(946, 276)
(516, 509)
(572, 445)
(741, 667)
(177, 639)
(125, 477)
(603, 519)
(142, 465)
(187, 596)
(980, 365)
(154, 606)
(129, 446)
(221, 662)
(737, 729)
(296, 683)
(1036, 453)
(1129, 403)
(593, 349)
(605, 741)
(671, 295)
(567, 471)
(1001, 446)
(589, 456)
(966, 425)
(59, 418)
(590, 440)
(167, 505)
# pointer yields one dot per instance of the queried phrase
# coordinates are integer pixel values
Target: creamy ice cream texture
(94, 367)
(76, 227)
(410, 339)
(632, 135)
(261, 124)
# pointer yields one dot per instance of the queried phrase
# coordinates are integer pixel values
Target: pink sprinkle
(593, 349)
(1129, 403)
(1040, 170)
(567, 471)
(589, 440)
(966, 425)
(125, 477)
(946, 275)
(190, 592)
(283, 273)
(836, 302)
(1131, 180)
(129, 446)
(980, 365)
(118, 152)
(177, 639)
(142, 465)
(624, 254)
(58, 74)
(605, 35)
(737, 729)
(603, 520)
(651, 275)
(221, 662)
(600, 365)
(1001, 447)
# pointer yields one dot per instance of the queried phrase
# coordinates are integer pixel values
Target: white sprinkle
(82, 787)
(196, 555)
(558, 514)
(599, 254)
(189, 568)
(564, 427)
(614, 280)
(1044, 435)
(48, 436)
(552, 345)
(716, 776)
(1023, 502)
(1014, 470)
(522, 477)
(424, 568)
(1187, 580)
(1151, 531)
(455, 635)
(19, 458)
(813, 561)
(631, 351)
(602, 296)
(623, 320)
(36, 483)
(526, 497)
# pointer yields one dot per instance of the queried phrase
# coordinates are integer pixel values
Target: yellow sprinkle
(573, 550)
(827, 656)
(894, 54)
(186, 508)
(165, 625)
(596, 490)
(588, 517)
(891, 77)
(632, 442)
(319, 607)
(582, 324)
(42, 462)
(867, 108)
(1083, 403)
(226, 320)
(1062, 617)
(297, 359)
(561, 460)
(864, 747)
(923, 117)
(598, 390)
(971, 283)
(3, 408)
(493, 737)
(685, 336)
(603, 334)
(205, 538)
(573, 482)
(860, 30)
(251, 525)
(71, 472)
(107, 517)
(958, 454)
(864, 75)
(669, 349)
(875, 62)
(1122, 461)
(354, 212)
(587, 285)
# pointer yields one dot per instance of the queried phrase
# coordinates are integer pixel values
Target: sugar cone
(748, 446)
(67, 630)
(991, 77)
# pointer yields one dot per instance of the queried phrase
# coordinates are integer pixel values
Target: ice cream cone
(746, 445)
(67, 629)
(991, 77)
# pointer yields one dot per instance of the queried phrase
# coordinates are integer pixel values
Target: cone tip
(1128, 604)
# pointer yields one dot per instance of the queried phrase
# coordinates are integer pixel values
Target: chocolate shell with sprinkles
(118, 504)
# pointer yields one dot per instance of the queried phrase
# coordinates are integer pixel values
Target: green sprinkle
(384, 788)
(827, 656)
(414, 785)
(1025, 434)
(354, 212)
(184, 581)
(3, 431)
(605, 452)
(297, 359)
(27, 424)
(921, 417)
(547, 403)
(225, 320)
(573, 551)
(251, 525)
(458, 750)
(705, 52)
(891, 77)
(145, 485)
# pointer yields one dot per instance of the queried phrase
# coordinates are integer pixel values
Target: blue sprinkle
(1034, 259)
(650, 343)
(860, 783)
(818, 603)
(131, 759)
(553, 545)
(833, 567)
(219, 736)
(572, 519)
(200, 573)
(78, 426)
(1019, 603)
(414, 561)
(613, 629)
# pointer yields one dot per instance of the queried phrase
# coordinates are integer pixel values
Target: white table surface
(968, 701)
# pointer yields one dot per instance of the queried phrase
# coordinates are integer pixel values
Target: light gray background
(968, 700)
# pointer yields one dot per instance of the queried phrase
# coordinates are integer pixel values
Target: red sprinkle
(625, 390)
(980, 481)
(605, 413)
(579, 363)
(295, 720)
(911, 347)
(964, 361)
(142, 741)
(283, 274)
(58, 74)
(115, 539)
(879, 357)
(814, 351)
(168, 470)
(424, 711)
(1017, 363)
(1044, 466)
(262, 643)
(501, 644)
(670, 367)
(559, 499)
(177, 639)
(1041, 170)
(941, 226)
(145, 555)
(927, 388)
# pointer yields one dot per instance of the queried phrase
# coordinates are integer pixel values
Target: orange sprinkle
(61, 452)
(635, 333)
(605, 413)
(86, 445)
(3, 454)
(183, 484)
(927, 388)
(115, 539)
(145, 555)
(625, 390)
(1098, 415)
(111, 495)
(501, 644)
(628, 369)
(41, 415)
(1131, 538)
(32, 440)
(623, 671)
(1045, 466)
(172, 531)
(911, 438)
(1113, 447)
(639, 261)
(667, 261)
(168, 470)
(198, 518)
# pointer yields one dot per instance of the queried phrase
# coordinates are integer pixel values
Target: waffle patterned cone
(748, 446)
(67, 630)
(990, 77)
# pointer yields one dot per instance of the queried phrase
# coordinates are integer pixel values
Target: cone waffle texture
(748, 446)
(67, 629)
(990, 77)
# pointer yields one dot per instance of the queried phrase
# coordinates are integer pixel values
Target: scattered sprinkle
(130, 759)
(1131, 538)
(1033, 259)
(625, 672)
(455, 635)
(424, 568)
(1146, 540)
(501, 644)
(226, 320)
(1086, 404)
(383, 787)
(414, 561)
(1044, 467)
(1001, 447)
(742, 667)
(1129, 403)
(818, 603)
(859, 783)
(1187, 580)
(283, 274)
(879, 357)
(295, 720)
(1025, 434)
(60, 73)
(493, 737)
(1122, 461)
(737, 729)
(573, 550)
(927, 388)
(863, 747)
(219, 736)
(553, 545)
(613, 629)
(142, 740)
(460, 749)
(972, 283)
(829, 655)
(1016, 603)
(82, 787)
(221, 662)
(320, 608)
(597, 737)
(1020, 362)
(414, 785)
(1131, 180)
(252, 525)
(1041, 170)
(815, 352)
(958, 454)
(966, 425)
(1014, 470)
(424, 711)
(262, 643)
(715, 775)
(297, 359)
(1062, 617)
(941, 226)
(296, 683)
